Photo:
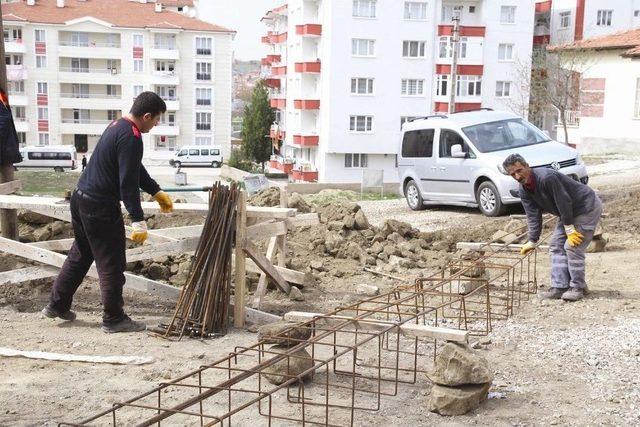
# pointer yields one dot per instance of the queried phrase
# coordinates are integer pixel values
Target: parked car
(57, 157)
(457, 159)
(197, 155)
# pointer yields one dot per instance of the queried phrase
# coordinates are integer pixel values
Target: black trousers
(99, 235)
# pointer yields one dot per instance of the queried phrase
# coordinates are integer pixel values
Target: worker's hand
(573, 236)
(527, 247)
(163, 199)
(139, 234)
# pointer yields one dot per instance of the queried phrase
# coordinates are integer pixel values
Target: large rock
(283, 370)
(598, 244)
(297, 202)
(502, 236)
(41, 234)
(402, 228)
(349, 222)
(457, 400)
(457, 365)
(34, 218)
(283, 333)
(351, 250)
(515, 226)
(159, 272)
(361, 221)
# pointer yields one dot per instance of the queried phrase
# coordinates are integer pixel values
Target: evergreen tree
(258, 117)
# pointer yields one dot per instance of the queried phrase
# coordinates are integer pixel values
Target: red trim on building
(306, 176)
(309, 30)
(43, 125)
(279, 103)
(138, 52)
(579, 31)
(463, 70)
(42, 99)
(543, 7)
(540, 40)
(41, 48)
(280, 8)
(274, 58)
(465, 31)
(306, 104)
(279, 71)
(308, 67)
(274, 83)
(443, 107)
(306, 140)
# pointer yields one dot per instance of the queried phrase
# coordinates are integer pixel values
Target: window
(604, 18)
(204, 151)
(43, 113)
(364, 8)
(360, 123)
(636, 13)
(468, 85)
(636, 110)
(168, 118)
(418, 143)
(203, 71)
(361, 86)
(412, 87)
(112, 91)
(448, 139)
(442, 81)
(448, 12)
(22, 139)
(19, 113)
(565, 19)
(138, 66)
(202, 140)
(363, 47)
(405, 119)
(112, 115)
(138, 40)
(41, 61)
(137, 90)
(472, 9)
(203, 96)
(167, 143)
(43, 139)
(504, 135)
(204, 45)
(40, 35)
(415, 10)
(508, 14)
(355, 160)
(505, 52)
(16, 86)
(42, 88)
(446, 47)
(413, 49)
(503, 89)
(164, 41)
(165, 66)
(203, 121)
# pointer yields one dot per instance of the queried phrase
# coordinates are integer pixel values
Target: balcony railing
(167, 124)
(169, 98)
(90, 95)
(89, 70)
(166, 46)
(86, 121)
(75, 43)
(12, 40)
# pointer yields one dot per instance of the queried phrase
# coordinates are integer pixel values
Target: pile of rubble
(35, 227)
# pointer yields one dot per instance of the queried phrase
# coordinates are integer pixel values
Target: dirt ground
(555, 363)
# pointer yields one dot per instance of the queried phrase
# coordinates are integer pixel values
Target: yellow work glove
(139, 234)
(163, 199)
(574, 237)
(527, 247)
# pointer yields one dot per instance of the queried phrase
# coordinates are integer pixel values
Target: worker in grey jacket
(578, 209)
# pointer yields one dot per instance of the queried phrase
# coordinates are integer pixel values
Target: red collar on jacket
(530, 185)
(134, 128)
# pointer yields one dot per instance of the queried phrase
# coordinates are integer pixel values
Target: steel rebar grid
(351, 363)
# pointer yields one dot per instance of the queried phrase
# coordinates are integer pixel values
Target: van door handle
(433, 168)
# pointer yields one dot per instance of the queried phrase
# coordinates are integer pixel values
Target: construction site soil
(555, 363)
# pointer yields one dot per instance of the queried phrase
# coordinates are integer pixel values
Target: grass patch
(46, 183)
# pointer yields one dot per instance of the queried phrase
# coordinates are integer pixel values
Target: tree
(258, 117)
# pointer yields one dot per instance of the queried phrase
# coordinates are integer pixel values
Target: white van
(197, 155)
(57, 157)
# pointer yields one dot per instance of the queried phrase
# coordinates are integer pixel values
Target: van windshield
(504, 135)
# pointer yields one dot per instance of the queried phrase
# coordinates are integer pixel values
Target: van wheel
(413, 196)
(58, 169)
(215, 164)
(177, 165)
(489, 200)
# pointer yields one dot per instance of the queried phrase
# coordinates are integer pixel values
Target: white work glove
(139, 234)
(527, 247)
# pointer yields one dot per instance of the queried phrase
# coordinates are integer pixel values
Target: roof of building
(119, 13)
(628, 40)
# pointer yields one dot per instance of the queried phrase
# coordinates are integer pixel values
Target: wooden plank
(410, 330)
(65, 357)
(57, 214)
(10, 187)
(261, 290)
(180, 232)
(27, 274)
(54, 245)
(303, 220)
(265, 265)
(266, 230)
(240, 281)
(479, 246)
(146, 252)
(152, 237)
(291, 276)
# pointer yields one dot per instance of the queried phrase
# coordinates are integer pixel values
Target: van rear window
(204, 151)
(418, 143)
(215, 152)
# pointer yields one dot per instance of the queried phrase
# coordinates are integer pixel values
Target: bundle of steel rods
(203, 306)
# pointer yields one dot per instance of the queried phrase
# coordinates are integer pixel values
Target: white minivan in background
(197, 155)
(56, 157)
(457, 159)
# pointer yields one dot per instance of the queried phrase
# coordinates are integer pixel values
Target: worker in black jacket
(114, 174)
(578, 209)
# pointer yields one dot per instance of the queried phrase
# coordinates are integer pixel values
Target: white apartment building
(345, 75)
(75, 65)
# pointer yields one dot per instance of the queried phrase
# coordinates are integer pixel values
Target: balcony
(90, 75)
(165, 78)
(274, 38)
(14, 46)
(89, 49)
(22, 125)
(543, 7)
(308, 67)
(161, 51)
(90, 101)
(465, 31)
(173, 103)
(272, 83)
(272, 59)
(17, 73)
(83, 126)
(279, 103)
(306, 141)
(279, 71)
(309, 30)
(304, 175)
(306, 104)
(165, 129)
(18, 99)
(281, 164)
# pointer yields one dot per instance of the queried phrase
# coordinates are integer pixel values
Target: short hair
(513, 159)
(148, 102)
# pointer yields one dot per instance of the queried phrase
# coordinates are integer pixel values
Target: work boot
(573, 294)
(553, 293)
(52, 313)
(125, 325)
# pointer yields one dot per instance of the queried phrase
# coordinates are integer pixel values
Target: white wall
(334, 170)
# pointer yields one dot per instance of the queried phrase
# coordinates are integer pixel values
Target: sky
(242, 16)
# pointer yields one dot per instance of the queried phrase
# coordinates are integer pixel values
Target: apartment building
(75, 65)
(345, 75)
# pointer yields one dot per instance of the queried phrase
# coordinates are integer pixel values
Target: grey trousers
(568, 262)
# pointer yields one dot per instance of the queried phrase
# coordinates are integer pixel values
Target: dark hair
(148, 102)
(513, 159)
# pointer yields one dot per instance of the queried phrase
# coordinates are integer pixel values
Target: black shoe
(553, 293)
(125, 325)
(573, 295)
(52, 313)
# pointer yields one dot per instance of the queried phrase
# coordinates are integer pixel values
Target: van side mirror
(457, 153)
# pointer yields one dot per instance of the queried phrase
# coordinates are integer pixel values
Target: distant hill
(246, 67)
